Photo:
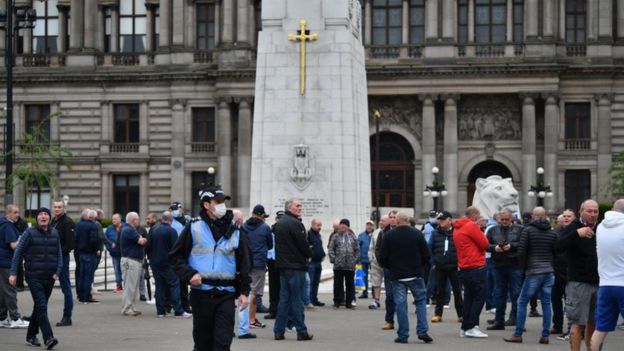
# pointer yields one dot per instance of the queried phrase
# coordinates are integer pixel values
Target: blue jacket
(161, 242)
(41, 251)
(260, 241)
(364, 238)
(113, 236)
(316, 243)
(87, 239)
(8, 235)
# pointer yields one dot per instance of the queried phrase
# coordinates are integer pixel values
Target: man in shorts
(578, 241)
(376, 272)
(609, 244)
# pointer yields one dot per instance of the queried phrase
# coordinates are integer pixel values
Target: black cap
(433, 214)
(345, 222)
(44, 209)
(279, 214)
(259, 210)
(175, 206)
(213, 192)
(444, 215)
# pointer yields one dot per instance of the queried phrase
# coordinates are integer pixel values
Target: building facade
(151, 94)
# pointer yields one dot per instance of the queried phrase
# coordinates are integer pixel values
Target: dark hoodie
(581, 254)
(260, 241)
(536, 248)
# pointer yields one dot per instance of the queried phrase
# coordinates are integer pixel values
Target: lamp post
(65, 199)
(211, 172)
(24, 18)
(436, 190)
(540, 190)
(377, 214)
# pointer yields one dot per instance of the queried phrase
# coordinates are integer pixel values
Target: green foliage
(602, 208)
(616, 176)
(34, 166)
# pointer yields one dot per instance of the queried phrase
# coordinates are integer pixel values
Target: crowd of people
(224, 259)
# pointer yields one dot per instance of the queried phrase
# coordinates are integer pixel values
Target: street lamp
(65, 199)
(540, 190)
(211, 172)
(436, 190)
(377, 214)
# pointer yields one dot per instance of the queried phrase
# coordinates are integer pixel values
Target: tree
(34, 165)
(616, 176)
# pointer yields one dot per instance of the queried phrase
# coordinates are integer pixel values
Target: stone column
(528, 152)
(368, 22)
(510, 24)
(450, 154)
(149, 33)
(106, 122)
(178, 141)
(107, 192)
(143, 122)
(449, 19)
(253, 23)
(114, 44)
(55, 137)
(244, 153)
(190, 31)
(224, 145)
(242, 21)
(164, 40)
(603, 137)
(562, 21)
(428, 146)
(28, 48)
(178, 23)
(90, 24)
(144, 194)
(620, 19)
(61, 40)
(99, 41)
(551, 141)
(77, 22)
(217, 23)
(471, 21)
(531, 17)
(405, 23)
(605, 19)
(549, 19)
(431, 20)
(227, 34)
(592, 19)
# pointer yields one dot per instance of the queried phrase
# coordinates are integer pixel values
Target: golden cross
(303, 35)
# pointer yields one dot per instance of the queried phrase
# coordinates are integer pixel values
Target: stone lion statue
(493, 194)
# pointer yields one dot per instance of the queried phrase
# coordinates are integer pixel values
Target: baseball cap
(175, 206)
(213, 192)
(444, 215)
(259, 210)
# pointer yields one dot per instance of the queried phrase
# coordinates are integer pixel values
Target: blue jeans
(291, 300)
(474, 281)
(507, 281)
(419, 292)
(490, 302)
(66, 288)
(117, 268)
(390, 306)
(243, 321)
(40, 289)
(537, 283)
(167, 286)
(365, 267)
(314, 271)
(88, 265)
(306, 290)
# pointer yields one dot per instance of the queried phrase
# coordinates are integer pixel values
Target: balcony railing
(577, 144)
(415, 51)
(384, 51)
(203, 56)
(125, 59)
(124, 148)
(485, 50)
(203, 147)
(576, 50)
(36, 60)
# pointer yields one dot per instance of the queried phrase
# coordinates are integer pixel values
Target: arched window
(393, 172)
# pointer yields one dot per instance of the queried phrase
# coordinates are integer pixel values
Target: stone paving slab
(101, 327)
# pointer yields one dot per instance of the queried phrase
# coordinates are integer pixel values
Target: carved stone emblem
(301, 173)
(490, 118)
(402, 111)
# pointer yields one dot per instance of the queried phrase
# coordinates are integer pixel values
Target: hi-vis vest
(215, 261)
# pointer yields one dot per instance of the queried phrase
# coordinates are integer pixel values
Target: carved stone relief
(404, 111)
(495, 117)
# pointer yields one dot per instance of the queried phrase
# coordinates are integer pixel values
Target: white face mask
(220, 210)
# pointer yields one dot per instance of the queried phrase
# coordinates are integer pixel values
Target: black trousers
(184, 296)
(558, 294)
(274, 287)
(213, 320)
(342, 279)
(442, 275)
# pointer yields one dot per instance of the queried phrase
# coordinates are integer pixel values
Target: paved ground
(101, 327)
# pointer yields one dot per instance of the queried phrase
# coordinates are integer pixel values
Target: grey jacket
(344, 251)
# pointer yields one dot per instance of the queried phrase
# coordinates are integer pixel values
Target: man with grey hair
(132, 253)
(609, 244)
(88, 246)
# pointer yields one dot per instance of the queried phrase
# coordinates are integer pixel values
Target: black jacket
(561, 260)
(404, 252)
(444, 260)
(499, 235)
(179, 254)
(581, 254)
(65, 227)
(316, 243)
(292, 250)
(41, 250)
(536, 248)
(87, 237)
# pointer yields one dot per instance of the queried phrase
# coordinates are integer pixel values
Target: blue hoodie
(8, 235)
(260, 241)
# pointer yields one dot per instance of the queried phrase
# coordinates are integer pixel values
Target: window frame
(573, 114)
(576, 14)
(47, 39)
(203, 117)
(43, 114)
(209, 10)
(413, 6)
(131, 193)
(132, 116)
(490, 5)
(387, 8)
(134, 16)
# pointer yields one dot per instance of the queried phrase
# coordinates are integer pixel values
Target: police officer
(212, 256)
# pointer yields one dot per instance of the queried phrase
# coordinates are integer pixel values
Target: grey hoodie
(610, 248)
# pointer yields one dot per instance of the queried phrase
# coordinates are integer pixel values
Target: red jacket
(470, 243)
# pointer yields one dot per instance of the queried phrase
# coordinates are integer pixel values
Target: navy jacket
(8, 235)
(316, 243)
(260, 241)
(162, 240)
(87, 239)
(41, 250)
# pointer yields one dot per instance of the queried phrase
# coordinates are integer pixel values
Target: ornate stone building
(152, 93)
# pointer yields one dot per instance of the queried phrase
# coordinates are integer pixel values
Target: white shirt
(610, 249)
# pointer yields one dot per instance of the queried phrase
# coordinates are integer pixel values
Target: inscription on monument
(311, 206)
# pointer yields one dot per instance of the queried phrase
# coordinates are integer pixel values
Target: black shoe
(350, 306)
(534, 313)
(247, 336)
(262, 309)
(336, 306)
(64, 323)
(26, 318)
(33, 342)
(143, 298)
(425, 337)
(363, 296)
(510, 322)
(400, 341)
(318, 304)
(496, 326)
(491, 321)
(269, 316)
(50, 343)
(305, 337)
(279, 337)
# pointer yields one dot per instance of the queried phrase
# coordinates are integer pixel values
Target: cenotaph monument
(310, 129)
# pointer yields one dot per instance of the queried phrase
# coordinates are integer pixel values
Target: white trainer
(5, 323)
(184, 315)
(475, 333)
(19, 324)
